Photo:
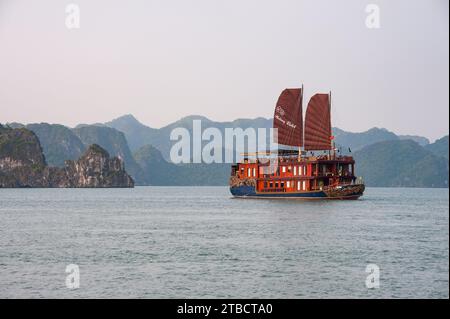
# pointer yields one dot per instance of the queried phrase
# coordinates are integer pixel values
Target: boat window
(295, 170)
(283, 169)
(298, 185)
(288, 184)
(254, 171)
(249, 172)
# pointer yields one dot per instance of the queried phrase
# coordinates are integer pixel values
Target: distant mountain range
(139, 135)
(357, 141)
(401, 163)
(383, 158)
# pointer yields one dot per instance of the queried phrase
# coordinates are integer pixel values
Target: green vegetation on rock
(440, 147)
(402, 163)
(59, 143)
(23, 164)
(114, 142)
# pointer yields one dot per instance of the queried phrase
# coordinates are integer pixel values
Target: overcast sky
(227, 59)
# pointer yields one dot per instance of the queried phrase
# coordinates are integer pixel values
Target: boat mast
(302, 128)
(332, 141)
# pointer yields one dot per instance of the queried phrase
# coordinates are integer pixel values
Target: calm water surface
(192, 242)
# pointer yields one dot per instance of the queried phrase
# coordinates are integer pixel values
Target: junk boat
(298, 173)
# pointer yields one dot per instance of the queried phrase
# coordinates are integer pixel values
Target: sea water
(198, 242)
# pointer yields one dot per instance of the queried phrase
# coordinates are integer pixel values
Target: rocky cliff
(93, 169)
(22, 164)
(112, 141)
(21, 161)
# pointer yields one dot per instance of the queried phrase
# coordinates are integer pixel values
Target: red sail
(318, 123)
(288, 118)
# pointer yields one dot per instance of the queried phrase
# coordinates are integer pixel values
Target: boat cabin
(293, 174)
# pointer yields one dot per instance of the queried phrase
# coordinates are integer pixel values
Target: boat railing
(331, 174)
(276, 190)
(322, 174)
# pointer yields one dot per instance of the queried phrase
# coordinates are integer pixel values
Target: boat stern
(352, 191)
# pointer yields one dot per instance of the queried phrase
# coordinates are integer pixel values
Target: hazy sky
(227, 59)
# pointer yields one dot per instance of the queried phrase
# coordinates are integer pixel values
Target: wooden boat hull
(345, 192)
